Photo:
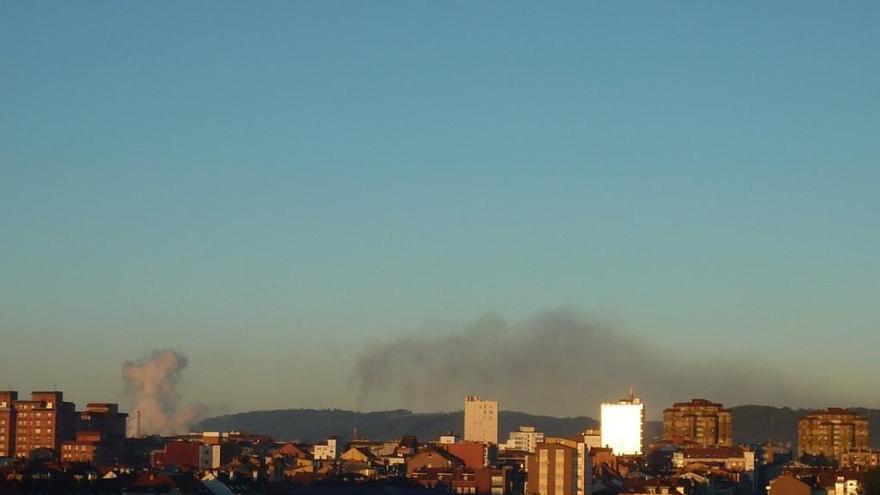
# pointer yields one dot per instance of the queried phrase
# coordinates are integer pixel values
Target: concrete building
(100, 435)
(704, 422)
(558, 467)
(480, 420)
(592, 438)
(327, 451)
(526, 439)
(622, 427)
(831, 433)
(448, 438)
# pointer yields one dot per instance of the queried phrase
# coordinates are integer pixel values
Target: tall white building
(480, 420)
(526, 439)
(623, 425)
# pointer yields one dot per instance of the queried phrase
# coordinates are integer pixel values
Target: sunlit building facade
(480, 420)
(623, 425)
(701, 421)
(831, 433)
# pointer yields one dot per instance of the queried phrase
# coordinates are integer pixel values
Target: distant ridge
(752, 424)
(311, 425)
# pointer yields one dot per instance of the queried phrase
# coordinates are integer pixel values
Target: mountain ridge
(752, 424)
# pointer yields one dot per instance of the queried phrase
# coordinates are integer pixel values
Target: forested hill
(751, 424)
(317, 424)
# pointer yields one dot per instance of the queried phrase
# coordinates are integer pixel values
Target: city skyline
(680, 197)
(157, 406)
(47, 442)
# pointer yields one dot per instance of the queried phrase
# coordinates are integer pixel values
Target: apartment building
(623, 425)
(702, 421)
(831, 433)
(480, 420)
(43, 422)
(558, 467)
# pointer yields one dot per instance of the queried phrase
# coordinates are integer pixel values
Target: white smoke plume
(152, 382)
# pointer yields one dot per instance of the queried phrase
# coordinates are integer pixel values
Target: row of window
(36, 431)
(76, 447)
(35, 423)
(48, 405)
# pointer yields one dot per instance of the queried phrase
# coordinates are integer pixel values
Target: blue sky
(274, 185)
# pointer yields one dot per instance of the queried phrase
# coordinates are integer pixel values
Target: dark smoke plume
(152, 382)
(559, 362)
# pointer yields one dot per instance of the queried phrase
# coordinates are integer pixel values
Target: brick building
(702, 421)
(46, 421)
(43, 422)
(184, 455)
(474, 454)
(831, 433)
(7, 423)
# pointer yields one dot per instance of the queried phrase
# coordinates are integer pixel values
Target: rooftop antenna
(632, 394)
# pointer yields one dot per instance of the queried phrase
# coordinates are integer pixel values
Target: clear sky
(269, 187)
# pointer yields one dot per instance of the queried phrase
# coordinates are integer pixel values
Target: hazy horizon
(330, 203)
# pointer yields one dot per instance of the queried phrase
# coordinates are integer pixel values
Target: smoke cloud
(152, 382)
(560, 362)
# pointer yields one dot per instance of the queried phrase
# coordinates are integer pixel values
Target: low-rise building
(185, 455)
(526, 438)
(728, 458)
(474, 454)
(327, 451)
(860, 459)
